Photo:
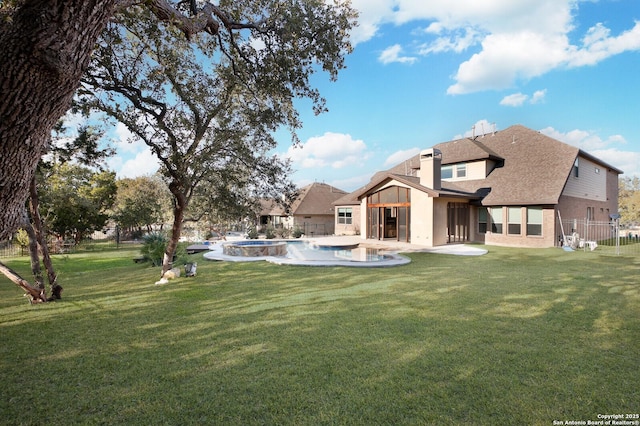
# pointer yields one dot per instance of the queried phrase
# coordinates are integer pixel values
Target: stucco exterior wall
(363, 218)
(440, 220)
(421, 218)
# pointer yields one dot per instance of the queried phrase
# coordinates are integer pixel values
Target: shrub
(283, 232)
(297, 232)
(153, 246)
(270, 233)
(252, 234)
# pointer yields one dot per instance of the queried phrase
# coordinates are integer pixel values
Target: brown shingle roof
(535, 168)
(316, 198)
(534, 171)
(532, 168)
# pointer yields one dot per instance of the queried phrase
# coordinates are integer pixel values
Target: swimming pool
(303, 253)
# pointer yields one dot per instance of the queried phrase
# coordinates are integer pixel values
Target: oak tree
(208, 106)
(47, 46)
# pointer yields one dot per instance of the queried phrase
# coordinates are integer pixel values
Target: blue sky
(426, 71)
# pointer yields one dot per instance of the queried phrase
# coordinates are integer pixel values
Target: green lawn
(515, 337)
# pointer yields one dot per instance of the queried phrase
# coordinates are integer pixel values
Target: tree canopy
(75, 200)
(629, 200)
(140, 204)
(208, 106)
(47, 46)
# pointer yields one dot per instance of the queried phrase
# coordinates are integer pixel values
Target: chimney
(430, 163)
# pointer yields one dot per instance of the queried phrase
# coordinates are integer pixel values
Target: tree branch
(207, 18)
(36, 295)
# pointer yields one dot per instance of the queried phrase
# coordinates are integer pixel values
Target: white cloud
(335, 150)
(400, 156)
(125, 142)
(518, 99)
(627, 161)
(515, 40)
(583, 139)
(351, 184)
(457, 41)
(538, 96)
(133, 157)
(514, 100)
(598, 45)
(506, 58)
(144, 163)
(393, 54)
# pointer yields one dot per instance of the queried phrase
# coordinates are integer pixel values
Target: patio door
(388, 214)
(458, 222)
(390, 222)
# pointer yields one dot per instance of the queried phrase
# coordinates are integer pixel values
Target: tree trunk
(36, 219)
(46, 47)
(33, 254)
(179, 208)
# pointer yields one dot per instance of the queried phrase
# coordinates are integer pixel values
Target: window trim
(445, 171)
(461, 167)
(496, 227)
(345, 215)
(531, 224)
(513, 222)
(483, 225)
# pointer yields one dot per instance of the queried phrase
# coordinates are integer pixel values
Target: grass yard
(517, 336)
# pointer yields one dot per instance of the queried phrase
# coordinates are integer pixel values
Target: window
(482, 220)
(461, 170)
(447, 172)
(390, 195)
(496, 220)
(534, 221)
(345, 215)
(514, 219)
(575, 167)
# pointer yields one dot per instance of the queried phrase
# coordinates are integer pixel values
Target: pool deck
(399, 247)
(391, 248)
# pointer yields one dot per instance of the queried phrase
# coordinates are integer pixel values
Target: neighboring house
(501, 188)
(312, 211)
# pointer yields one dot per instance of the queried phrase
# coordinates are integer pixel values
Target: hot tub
(255, 248)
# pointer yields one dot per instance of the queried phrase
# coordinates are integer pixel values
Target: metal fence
(602, 237)
(9, 249)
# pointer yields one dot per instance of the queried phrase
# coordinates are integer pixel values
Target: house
(312, 211)
(501, 188)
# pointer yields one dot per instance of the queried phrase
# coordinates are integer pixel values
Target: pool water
(301, 250)
(303, 253)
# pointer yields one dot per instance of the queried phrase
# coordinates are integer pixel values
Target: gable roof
(531, 168)
(382, 178)
(534, 171)
(535, 168)
(314, 199)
